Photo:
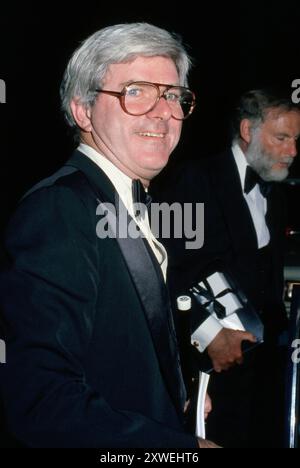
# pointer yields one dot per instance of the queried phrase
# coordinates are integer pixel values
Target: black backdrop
(235, 46)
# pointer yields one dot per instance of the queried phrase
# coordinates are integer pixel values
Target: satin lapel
(226, 184)
(148, 281)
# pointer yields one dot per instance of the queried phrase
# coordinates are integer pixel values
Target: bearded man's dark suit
(92, 358)
(230, 240)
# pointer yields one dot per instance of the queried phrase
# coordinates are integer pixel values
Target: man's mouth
(285, 164)
(152, 134)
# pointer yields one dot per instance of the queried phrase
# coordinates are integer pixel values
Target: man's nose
(292, 149)
(161, 110)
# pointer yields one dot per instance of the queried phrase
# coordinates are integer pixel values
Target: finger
(223, 367)
(212, 445)
(207, 404)
(249, 337)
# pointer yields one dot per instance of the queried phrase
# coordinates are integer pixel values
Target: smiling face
(139, 146)
(273, 146)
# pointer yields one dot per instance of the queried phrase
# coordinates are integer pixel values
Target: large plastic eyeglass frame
(122, 94)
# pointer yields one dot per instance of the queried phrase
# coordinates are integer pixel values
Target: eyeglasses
(140, 97)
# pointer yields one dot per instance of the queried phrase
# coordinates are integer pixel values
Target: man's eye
(171, 97)
(133, 92)
(280, 138)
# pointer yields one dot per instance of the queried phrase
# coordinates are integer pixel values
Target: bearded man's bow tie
(252, 179)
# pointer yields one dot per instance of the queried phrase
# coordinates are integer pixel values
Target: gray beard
(263, 162)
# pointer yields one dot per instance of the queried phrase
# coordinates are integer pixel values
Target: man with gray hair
(92, 358)
(244, 232)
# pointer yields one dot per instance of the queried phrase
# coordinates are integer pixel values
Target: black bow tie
(139, 194)
(252, 179)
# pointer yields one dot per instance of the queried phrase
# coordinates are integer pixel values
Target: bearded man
(244, 229)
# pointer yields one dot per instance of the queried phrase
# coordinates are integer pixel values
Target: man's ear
(245, 130)
(81, 114)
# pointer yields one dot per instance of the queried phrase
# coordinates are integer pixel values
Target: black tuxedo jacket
(92, 358)
(230, 237)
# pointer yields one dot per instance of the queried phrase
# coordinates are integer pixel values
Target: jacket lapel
(148, 281)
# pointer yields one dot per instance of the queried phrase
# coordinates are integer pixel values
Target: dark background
(235, 46)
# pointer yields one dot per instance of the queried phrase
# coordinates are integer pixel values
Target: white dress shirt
(123, 185)
(258, 208)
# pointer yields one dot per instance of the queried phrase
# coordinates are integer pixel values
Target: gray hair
(116, 44)
(255, 104)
